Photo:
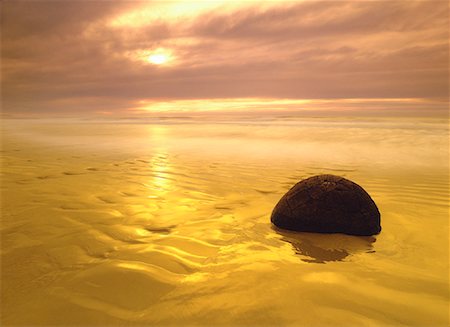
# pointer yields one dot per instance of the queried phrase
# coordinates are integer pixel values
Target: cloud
(89, 56)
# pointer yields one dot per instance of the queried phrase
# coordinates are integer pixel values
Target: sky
(142, 58)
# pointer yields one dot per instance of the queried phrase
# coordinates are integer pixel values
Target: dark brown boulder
(327, 204)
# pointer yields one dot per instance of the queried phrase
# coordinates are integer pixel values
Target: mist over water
(167, 222)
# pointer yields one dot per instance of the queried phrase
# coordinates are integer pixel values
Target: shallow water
(167, 223)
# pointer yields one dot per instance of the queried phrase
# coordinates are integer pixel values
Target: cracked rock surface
(327, 204)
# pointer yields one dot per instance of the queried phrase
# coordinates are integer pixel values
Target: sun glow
(157, 58)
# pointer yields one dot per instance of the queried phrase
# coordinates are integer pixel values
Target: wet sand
(168, 223)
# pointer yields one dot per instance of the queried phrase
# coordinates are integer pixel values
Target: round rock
(327, 204)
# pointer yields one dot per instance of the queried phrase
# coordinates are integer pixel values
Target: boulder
(327, 204)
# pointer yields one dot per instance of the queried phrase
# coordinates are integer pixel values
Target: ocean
(166, 221)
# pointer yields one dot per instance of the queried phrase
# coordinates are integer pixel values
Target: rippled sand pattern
(167, 223)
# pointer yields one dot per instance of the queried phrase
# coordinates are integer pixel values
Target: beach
(166, 221)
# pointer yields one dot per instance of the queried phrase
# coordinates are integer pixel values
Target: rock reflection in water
(322, 248)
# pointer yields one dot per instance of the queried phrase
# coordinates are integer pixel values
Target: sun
(158, 58)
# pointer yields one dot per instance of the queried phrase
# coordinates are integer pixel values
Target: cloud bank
(91, 56)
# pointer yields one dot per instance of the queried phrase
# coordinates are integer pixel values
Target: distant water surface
(167, 222)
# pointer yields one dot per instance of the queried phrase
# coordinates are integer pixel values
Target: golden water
(167, 223)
